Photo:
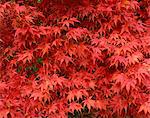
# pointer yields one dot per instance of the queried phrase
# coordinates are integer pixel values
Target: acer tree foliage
(75, 58)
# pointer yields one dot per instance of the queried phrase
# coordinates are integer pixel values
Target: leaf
(21, 31)
(62, 58)
(125, 81)
(95, 41)
(42, 96)
(75, 106)
(129, 83)
(89, 103)
(135, 58)
(66, 59)
(67, 21)
(37, 95)
(118, 104)
(20, 9)
(1, 40)
(57, 42)
(26, 90)
(142, 73)
(45, 47)
(99, 104)
(76, 93)
(25, 56)
(4, 113)
(125, 28)
(29, 18)
(53, 108)
(57, 80)
(56, 31)
(118, 60)
(116, 19)
(3, 86)
(76, 33)
(96, 54)
(145, 107)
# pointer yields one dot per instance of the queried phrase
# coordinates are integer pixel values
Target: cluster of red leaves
(74, 58)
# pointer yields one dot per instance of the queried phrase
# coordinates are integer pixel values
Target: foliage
(74, 58)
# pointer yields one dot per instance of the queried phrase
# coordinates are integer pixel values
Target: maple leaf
(61, 57)
(76, 33)
(56, 31)
(96, 54)
(26, 90)
(129, 83)
(20, 9)
(85, 11)
(57, 42)
(34, 31)
(45, 48)
(116, 19)
(142, 73)
(124, 50)
(145, 107)
(53, 108)
(57, 80)
(81, 50)
(95, 41)
(125, 81)
(66, 59)
(89, 103)
(135, 58)
(1, 11)
(90, 84)
(21, 31)
(77, 82)
(135, 5)
(29, 18)
(43, 30)
(116, 88)
(75, 106)
(46, 83)
(118, 104)
(3, 86)
(67, 21)
(76, 93)
(71, 49)
(138, 27)
(39, 95)
(100, 104)
(4, 113)
(125, 28)
(108, 26)
(118, 60)
(117, 39)
(25, 56)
